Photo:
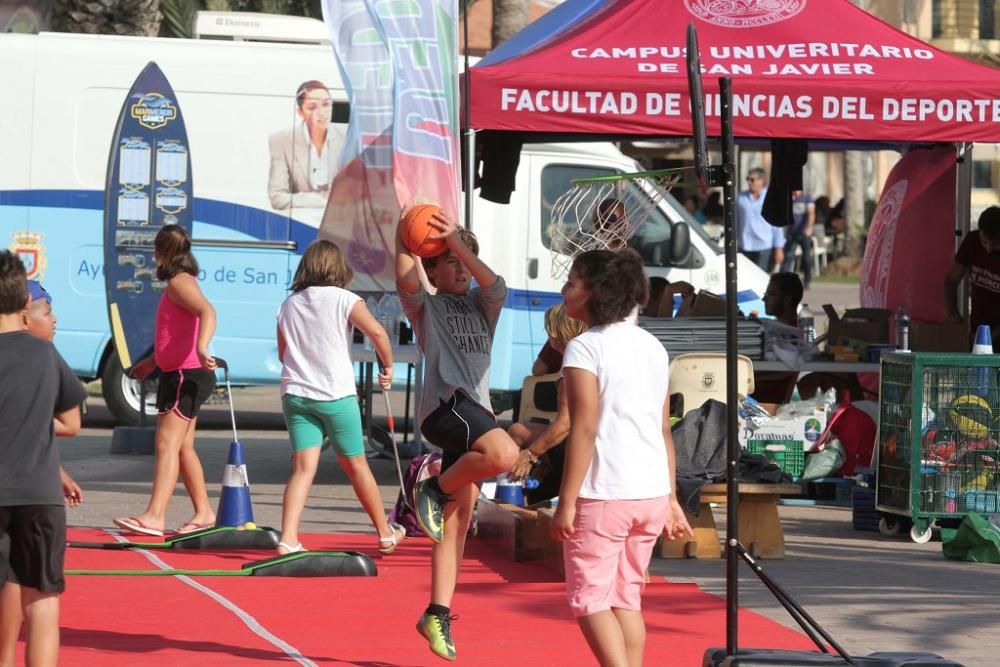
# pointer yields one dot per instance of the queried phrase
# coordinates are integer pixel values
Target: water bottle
(902, 329)
(982, 376)
(392, 313)
(375, 309)
(807, 323)
(384, 316)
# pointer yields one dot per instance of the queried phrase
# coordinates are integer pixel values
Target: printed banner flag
(398, 64)
(911, 240)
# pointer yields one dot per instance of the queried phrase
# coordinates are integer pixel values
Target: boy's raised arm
(407, 277)
(448, 230)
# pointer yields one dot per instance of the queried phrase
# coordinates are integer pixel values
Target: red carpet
(510, 613)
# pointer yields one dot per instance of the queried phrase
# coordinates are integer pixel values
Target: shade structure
(813, 69)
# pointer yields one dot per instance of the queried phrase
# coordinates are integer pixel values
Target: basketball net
(604, 213)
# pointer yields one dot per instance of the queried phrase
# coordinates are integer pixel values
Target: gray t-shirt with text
(455, 334)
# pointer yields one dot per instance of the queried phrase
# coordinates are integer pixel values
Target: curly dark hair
(616, 282)
(13, 283)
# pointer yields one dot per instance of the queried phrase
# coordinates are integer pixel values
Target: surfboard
(148, 186)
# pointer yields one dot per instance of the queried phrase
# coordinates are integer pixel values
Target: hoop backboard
(697, 109)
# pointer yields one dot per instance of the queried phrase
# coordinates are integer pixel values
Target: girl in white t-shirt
(318, 394)
(617, 494)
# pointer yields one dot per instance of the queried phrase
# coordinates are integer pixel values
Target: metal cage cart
(938, 439)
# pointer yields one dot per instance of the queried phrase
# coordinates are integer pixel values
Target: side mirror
(680, 244)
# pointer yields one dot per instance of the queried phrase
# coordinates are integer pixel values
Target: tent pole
(732, 374)
(963, 211)
(470, 136)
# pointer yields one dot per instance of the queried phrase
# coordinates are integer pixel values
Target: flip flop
(193, 526)
(388, 544)
(137, 526)
(289, 549)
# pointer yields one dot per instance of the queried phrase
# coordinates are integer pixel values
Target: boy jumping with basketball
(454, 330)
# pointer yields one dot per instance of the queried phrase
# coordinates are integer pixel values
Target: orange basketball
(417, 231)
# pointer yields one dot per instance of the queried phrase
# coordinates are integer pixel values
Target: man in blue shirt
(760, 241)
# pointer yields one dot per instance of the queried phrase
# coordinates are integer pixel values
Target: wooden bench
(760, 527)
(512, 530)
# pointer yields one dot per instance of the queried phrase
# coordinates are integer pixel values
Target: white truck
(61, 97)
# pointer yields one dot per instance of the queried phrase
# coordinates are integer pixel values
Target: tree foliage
(107, 17)
(509, 18)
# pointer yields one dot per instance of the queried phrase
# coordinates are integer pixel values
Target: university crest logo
(28, 247)
(744, 13)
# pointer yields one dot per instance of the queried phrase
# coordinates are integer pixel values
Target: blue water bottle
(509, 492)
(980, 375)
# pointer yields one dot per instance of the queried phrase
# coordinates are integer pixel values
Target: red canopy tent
(801, 69)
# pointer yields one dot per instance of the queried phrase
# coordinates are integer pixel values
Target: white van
(61, 98)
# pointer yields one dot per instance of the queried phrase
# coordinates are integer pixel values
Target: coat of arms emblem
(28, 247)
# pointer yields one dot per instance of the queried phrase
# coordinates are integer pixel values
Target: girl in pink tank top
(185, 324)
(176, 341)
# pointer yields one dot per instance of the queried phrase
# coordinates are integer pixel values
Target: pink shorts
(607, 555)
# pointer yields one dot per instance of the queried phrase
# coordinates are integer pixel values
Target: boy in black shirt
(37, 386)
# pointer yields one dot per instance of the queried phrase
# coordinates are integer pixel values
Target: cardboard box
(804, 430)
(939, 337)
(868, 325)
(512, 530)
(843, 353)
(702, 304)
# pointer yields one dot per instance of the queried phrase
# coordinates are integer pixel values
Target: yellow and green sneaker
(429, 509)
(436, 629)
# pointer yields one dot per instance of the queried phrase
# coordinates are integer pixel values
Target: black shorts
(455, 425)
(33, 546)
(183, 392)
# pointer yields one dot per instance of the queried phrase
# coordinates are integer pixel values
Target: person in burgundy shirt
(978, 257)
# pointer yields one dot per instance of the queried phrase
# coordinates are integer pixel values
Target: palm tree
(107, 17)
(509, 17)
(854, 204)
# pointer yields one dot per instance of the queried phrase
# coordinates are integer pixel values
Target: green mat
(247, 570)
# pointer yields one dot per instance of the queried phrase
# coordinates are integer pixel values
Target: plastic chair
(538, 399)
(700, 376)
(820, 250)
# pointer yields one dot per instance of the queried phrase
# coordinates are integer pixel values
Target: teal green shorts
(308, 420)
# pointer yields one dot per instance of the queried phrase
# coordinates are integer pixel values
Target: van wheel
(121, 394)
